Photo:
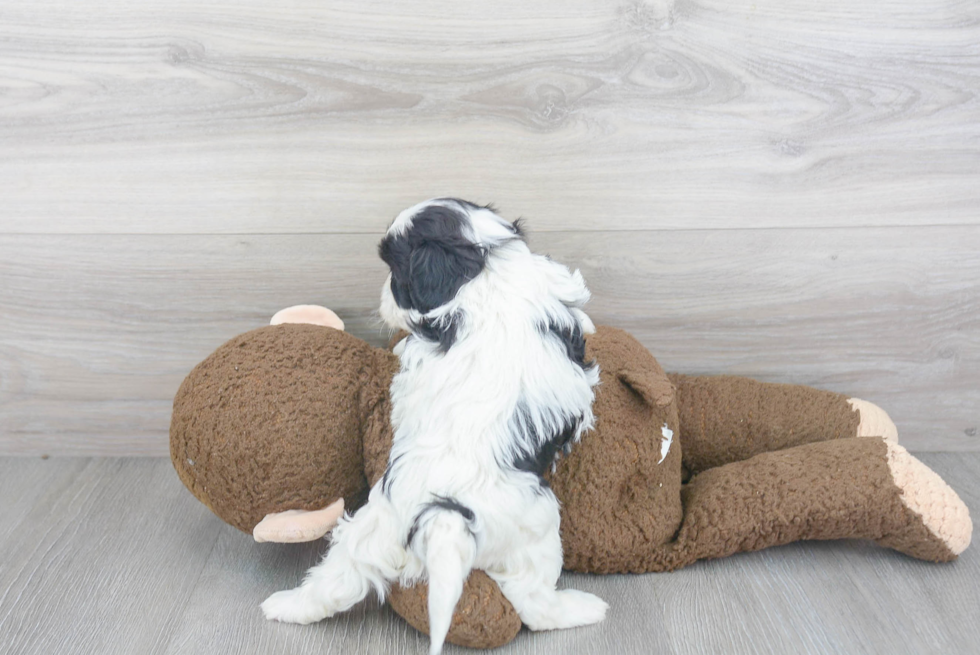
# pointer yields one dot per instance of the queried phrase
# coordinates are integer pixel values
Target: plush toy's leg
(849, 488)
(365, 554)
(728, 419)
(528, 582)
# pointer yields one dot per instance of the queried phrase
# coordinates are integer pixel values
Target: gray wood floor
(785, 189)
(103, 555)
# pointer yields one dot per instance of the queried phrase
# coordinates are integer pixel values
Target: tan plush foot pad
(875, 422)
(296, 525)
(312, 314)
(926, 494)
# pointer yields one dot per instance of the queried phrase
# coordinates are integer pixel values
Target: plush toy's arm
(728, 419)
(849, 488)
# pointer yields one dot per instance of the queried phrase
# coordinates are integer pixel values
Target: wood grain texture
(786, 190)
(104, 560)
(116, 557)
(99, 331)
(250, 117)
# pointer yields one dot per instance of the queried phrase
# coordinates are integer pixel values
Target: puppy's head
(433, 249)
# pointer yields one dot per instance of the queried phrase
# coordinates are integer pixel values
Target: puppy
(493, 387)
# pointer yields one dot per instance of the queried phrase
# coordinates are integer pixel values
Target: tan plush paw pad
(875, 422)
(926, 494)
(312, 314)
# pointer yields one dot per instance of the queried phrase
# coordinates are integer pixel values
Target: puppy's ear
(436, 272)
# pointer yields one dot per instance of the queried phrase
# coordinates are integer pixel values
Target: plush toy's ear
(311, 314)
(656, 390)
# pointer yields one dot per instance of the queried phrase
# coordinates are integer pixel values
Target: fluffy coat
(493, 386)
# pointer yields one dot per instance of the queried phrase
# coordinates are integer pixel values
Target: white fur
(454, 422)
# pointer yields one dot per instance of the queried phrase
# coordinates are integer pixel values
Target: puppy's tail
(449, 553)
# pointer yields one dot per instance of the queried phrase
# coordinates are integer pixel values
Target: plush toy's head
(279, 418)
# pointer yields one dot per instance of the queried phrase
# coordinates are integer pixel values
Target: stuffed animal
(283, 427)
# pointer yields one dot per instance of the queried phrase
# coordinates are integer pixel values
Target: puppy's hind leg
(528, 582)
(365, 554)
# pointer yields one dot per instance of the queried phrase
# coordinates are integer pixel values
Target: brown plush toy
(282, 427)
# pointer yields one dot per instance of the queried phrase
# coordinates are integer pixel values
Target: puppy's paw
(570, 609)
(294, 606)
(581, 608)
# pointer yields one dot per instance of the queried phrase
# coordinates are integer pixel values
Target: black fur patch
(573, 339)
(442, 331)
(431, 260)
(441, 502)
(543, 455)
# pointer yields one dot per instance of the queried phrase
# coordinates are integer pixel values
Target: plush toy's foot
(296, 525)
(875, 422)
(948, 528)
(312, 314)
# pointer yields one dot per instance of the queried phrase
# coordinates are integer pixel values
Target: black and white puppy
(493, 387)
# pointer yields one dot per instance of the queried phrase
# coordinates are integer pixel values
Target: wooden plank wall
(783, 189)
